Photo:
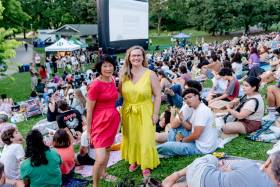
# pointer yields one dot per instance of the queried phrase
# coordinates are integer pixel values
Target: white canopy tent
(62, 45)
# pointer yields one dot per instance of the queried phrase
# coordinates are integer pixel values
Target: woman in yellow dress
(140, 89)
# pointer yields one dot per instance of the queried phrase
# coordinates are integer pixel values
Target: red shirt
(68, 159)
(43, 74)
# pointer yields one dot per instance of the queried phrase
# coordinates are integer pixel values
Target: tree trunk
(158, 25)
(247, 29)
(24, 33)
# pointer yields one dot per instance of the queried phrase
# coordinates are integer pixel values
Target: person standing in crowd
(140, 89)
(48, 65)
(54, 63)
(34, 77)
(42, 164)
(103, 118)
(37, 59)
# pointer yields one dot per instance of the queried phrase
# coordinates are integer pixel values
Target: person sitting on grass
(4, 125)
(69, 118)
(3, 181)
(42, 164)
(250, 111)
(197, 135)
(209, 171)
(13, 153)
(273, 99)
(232, 90)
(177, 118)
(63, 144)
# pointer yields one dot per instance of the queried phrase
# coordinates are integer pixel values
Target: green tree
(246, 13)
(176, 17)
(13, 15)
(6, 46)
(217, 16)
(158, 9)
(270, 13)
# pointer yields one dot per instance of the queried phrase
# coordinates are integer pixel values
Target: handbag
(243, 100)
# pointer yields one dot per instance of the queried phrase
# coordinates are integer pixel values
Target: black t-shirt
(51, 116)
(71, 119)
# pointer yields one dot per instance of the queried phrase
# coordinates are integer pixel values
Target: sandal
(132, 167)
(109, 178)
(146, 172)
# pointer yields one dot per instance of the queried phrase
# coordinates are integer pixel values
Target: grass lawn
(19, 87)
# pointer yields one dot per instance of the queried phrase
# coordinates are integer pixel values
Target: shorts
(251, 125)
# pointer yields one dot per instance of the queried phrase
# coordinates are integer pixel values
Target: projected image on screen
(128, 20)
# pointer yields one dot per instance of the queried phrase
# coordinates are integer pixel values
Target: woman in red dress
(103, 118)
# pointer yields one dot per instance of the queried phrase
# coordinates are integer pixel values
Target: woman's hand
(229, 109)
(155, 118)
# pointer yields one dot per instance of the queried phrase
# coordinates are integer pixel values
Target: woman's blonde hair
(81, 99)
(126, 69)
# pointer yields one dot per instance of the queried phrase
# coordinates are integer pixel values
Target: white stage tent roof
(62, 45)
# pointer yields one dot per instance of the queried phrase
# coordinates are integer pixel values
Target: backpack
(243, 100)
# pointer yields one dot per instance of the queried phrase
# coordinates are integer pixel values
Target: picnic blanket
(268, 133)
(115, 157)
(86, 170)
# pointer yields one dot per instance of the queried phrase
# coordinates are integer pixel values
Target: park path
(22, 57)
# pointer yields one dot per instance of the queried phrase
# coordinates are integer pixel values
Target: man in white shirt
(196, 135)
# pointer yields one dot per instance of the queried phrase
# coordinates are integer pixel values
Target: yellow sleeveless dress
(138, 144)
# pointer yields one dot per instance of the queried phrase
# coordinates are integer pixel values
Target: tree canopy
(214, 16)
(6, 46)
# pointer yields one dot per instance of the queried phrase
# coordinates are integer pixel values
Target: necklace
(104, 80)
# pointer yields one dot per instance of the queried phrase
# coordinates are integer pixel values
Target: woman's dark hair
(162, 73)
(194, 84)
(227, 64)
(105, 58)
(62, 105)
(33, 94)
(254, 50)
(226, 72)
(183, 69)
(254, 82)
(43, 67)
(7, 135)
(167, 116)
(214, 57)
(61, 139)
(35, 148)
(237, 58)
